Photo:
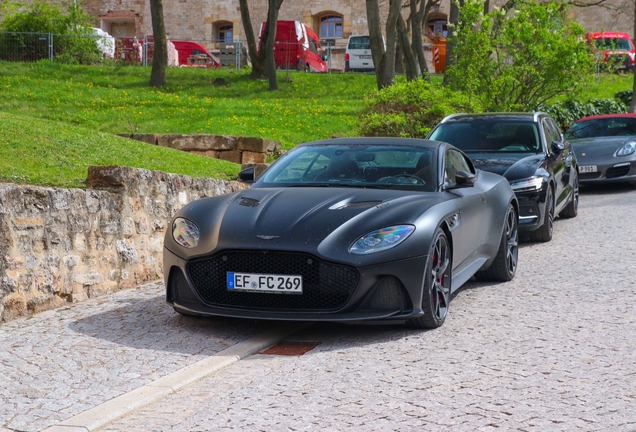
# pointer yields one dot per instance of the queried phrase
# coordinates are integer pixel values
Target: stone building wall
(67, 245)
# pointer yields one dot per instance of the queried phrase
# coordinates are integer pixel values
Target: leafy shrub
(625, 96)
(569, 111)
(71, 25)
(410, 109)
(513, 61)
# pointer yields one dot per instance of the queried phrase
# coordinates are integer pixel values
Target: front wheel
(544, 233)
(504, 267)
(572, 209)
(436, 285)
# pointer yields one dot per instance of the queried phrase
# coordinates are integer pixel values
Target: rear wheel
(504, 267)
(436, 284)
(544, 233)
(572, 209)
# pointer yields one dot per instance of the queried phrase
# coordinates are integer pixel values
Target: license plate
(588, 168)
(365, 57)
(267, 283)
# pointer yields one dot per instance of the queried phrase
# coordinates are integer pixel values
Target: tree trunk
(407, 52)
(160, 56)
(258, 66)
(270, 61)
(383, 60)
(417, 18)
(450, 42)
(632, 105)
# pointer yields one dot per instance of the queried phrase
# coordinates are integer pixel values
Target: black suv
(530, 151)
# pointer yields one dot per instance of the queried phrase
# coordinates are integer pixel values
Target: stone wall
(67, 245)
(241, 150)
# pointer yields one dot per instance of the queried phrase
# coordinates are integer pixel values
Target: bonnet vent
(358, 205)
(249, 202)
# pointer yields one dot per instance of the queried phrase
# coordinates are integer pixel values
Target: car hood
(599, 146)
(513, 166)
(300, 218)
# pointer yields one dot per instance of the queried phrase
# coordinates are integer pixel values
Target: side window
(556, 129)
(549, 132)
(455, 161)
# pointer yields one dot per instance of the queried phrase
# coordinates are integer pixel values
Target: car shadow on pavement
(149, 323)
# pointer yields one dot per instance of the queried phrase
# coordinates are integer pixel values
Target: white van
(358, 54)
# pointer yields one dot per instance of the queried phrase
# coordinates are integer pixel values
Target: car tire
(436, 284)
(544, 233)
(572, 209)
(504, 267)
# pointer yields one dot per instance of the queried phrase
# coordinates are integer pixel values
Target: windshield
(606, 127)
(363, 166)
(360, 42)
(488, 135)
(613, 44)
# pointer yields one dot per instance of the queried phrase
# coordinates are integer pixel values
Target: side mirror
(247, 175)
(463, 179)
(557, 147)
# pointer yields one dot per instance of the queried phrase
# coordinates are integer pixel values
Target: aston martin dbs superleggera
(345, 229)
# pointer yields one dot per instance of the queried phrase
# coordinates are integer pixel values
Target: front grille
(617, 171)
(326, 286)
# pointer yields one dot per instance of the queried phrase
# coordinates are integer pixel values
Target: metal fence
(26, 47)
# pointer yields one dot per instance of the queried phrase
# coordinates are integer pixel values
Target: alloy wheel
(440, 278)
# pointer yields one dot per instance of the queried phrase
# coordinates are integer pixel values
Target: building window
(226, 33)
(331, 26)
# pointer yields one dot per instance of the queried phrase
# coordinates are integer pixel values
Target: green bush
(625, 96)
(569, 111)
(410, 109)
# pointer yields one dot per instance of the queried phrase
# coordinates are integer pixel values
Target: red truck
(614, 47)
(193, 54)
(296, 47)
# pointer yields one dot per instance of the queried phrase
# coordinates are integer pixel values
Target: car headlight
(382, 239)
(626, 149)
(531, 184)
(185, 232)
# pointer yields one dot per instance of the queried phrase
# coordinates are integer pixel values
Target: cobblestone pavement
(59, 363)
(553, 350)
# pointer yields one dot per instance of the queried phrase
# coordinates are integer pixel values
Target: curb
(100, 415)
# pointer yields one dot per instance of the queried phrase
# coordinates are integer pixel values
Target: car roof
(600, 35)
(415, 142)
(606, 116)
(518, 116)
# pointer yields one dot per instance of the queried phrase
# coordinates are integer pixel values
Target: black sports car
(345, 229)
(530, 151)
(605, 146)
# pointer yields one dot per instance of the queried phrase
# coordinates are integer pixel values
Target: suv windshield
(612, 44)
(360, 42)
(490, 135)
(365, 166)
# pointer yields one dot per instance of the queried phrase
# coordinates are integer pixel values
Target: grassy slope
(43, 152)
(119, 100)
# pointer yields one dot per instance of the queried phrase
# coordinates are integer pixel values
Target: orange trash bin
(439, 56)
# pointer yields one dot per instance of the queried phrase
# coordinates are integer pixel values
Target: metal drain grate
(291, 348)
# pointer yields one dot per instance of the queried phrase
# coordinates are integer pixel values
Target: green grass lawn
(56, 120)
(119, 100)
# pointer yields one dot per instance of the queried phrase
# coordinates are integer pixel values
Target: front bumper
(391, 290)
(611, 173)
(531, 209)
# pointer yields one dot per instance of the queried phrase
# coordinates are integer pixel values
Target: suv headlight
(185, 232)
(382, 239)
(529, 185)
(626, 149)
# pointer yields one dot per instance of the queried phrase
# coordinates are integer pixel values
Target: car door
(473, 210)
(570, 164)
(556, 162)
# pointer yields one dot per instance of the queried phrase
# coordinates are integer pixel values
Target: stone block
(253, 157)
(208, 153)
(147, 138)
(27, 223)
(91, 278)
(258, 145)
(14, 307)
(231, 156)
(127, 252)
(197, 142)
(41, 303)
(79, 297)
